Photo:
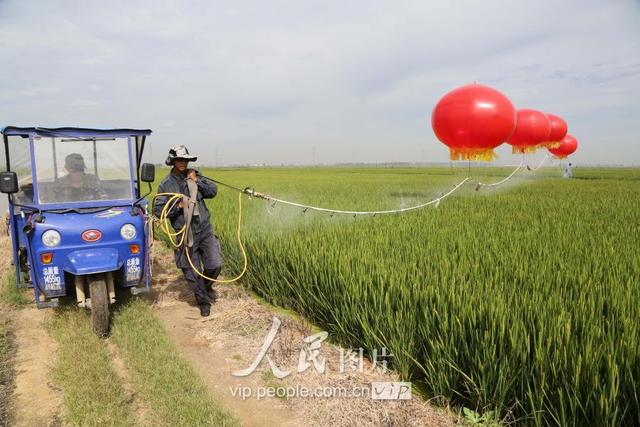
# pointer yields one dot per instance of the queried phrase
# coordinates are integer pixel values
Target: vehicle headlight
(128, 231)
(51, 238)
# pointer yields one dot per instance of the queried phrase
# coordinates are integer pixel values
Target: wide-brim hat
(180, 152)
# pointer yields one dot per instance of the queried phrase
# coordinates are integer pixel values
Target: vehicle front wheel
(99, 304)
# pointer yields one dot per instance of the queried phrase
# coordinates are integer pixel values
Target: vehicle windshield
(72, 170)
(21, 165)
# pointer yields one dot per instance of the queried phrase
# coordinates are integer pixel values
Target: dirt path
(217, 346)
(211, 364)
(230, 339)
(184, 325)
(35, 401)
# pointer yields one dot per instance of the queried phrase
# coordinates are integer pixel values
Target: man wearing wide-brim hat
(203, 245)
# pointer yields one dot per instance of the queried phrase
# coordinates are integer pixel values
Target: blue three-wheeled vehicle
(78, 221)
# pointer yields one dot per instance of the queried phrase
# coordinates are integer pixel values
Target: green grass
(10, 294)
(522, 299)
(168, 384)
(92, 392)
(7, 351)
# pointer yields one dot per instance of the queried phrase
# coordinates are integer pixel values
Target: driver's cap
(75, 162)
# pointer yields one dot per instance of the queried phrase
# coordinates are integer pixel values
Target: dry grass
(240, 323)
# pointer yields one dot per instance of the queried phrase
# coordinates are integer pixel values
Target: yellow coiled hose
(179, 236)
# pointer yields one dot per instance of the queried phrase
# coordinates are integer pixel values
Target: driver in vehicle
(78, 185)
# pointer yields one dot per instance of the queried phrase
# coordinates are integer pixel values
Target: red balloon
(533, 128)
(558, 131)
(567, 146)
(558, 128)
(473, 120)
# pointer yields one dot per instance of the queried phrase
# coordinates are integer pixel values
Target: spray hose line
(182, 239)
(179, 239)
(515, 171)
(544, 159)
(252, 193)
(495, 184)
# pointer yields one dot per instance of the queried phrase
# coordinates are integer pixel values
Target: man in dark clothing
(77, 186)
(203, 245)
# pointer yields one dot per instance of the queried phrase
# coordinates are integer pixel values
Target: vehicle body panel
(75, 256)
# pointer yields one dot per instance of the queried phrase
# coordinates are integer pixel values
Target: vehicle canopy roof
(72, 132)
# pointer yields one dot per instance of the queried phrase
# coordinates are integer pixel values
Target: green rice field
(523, 299)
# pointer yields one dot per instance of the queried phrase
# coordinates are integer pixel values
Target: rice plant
(522, 300)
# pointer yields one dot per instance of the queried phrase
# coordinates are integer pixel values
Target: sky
(281, 82)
